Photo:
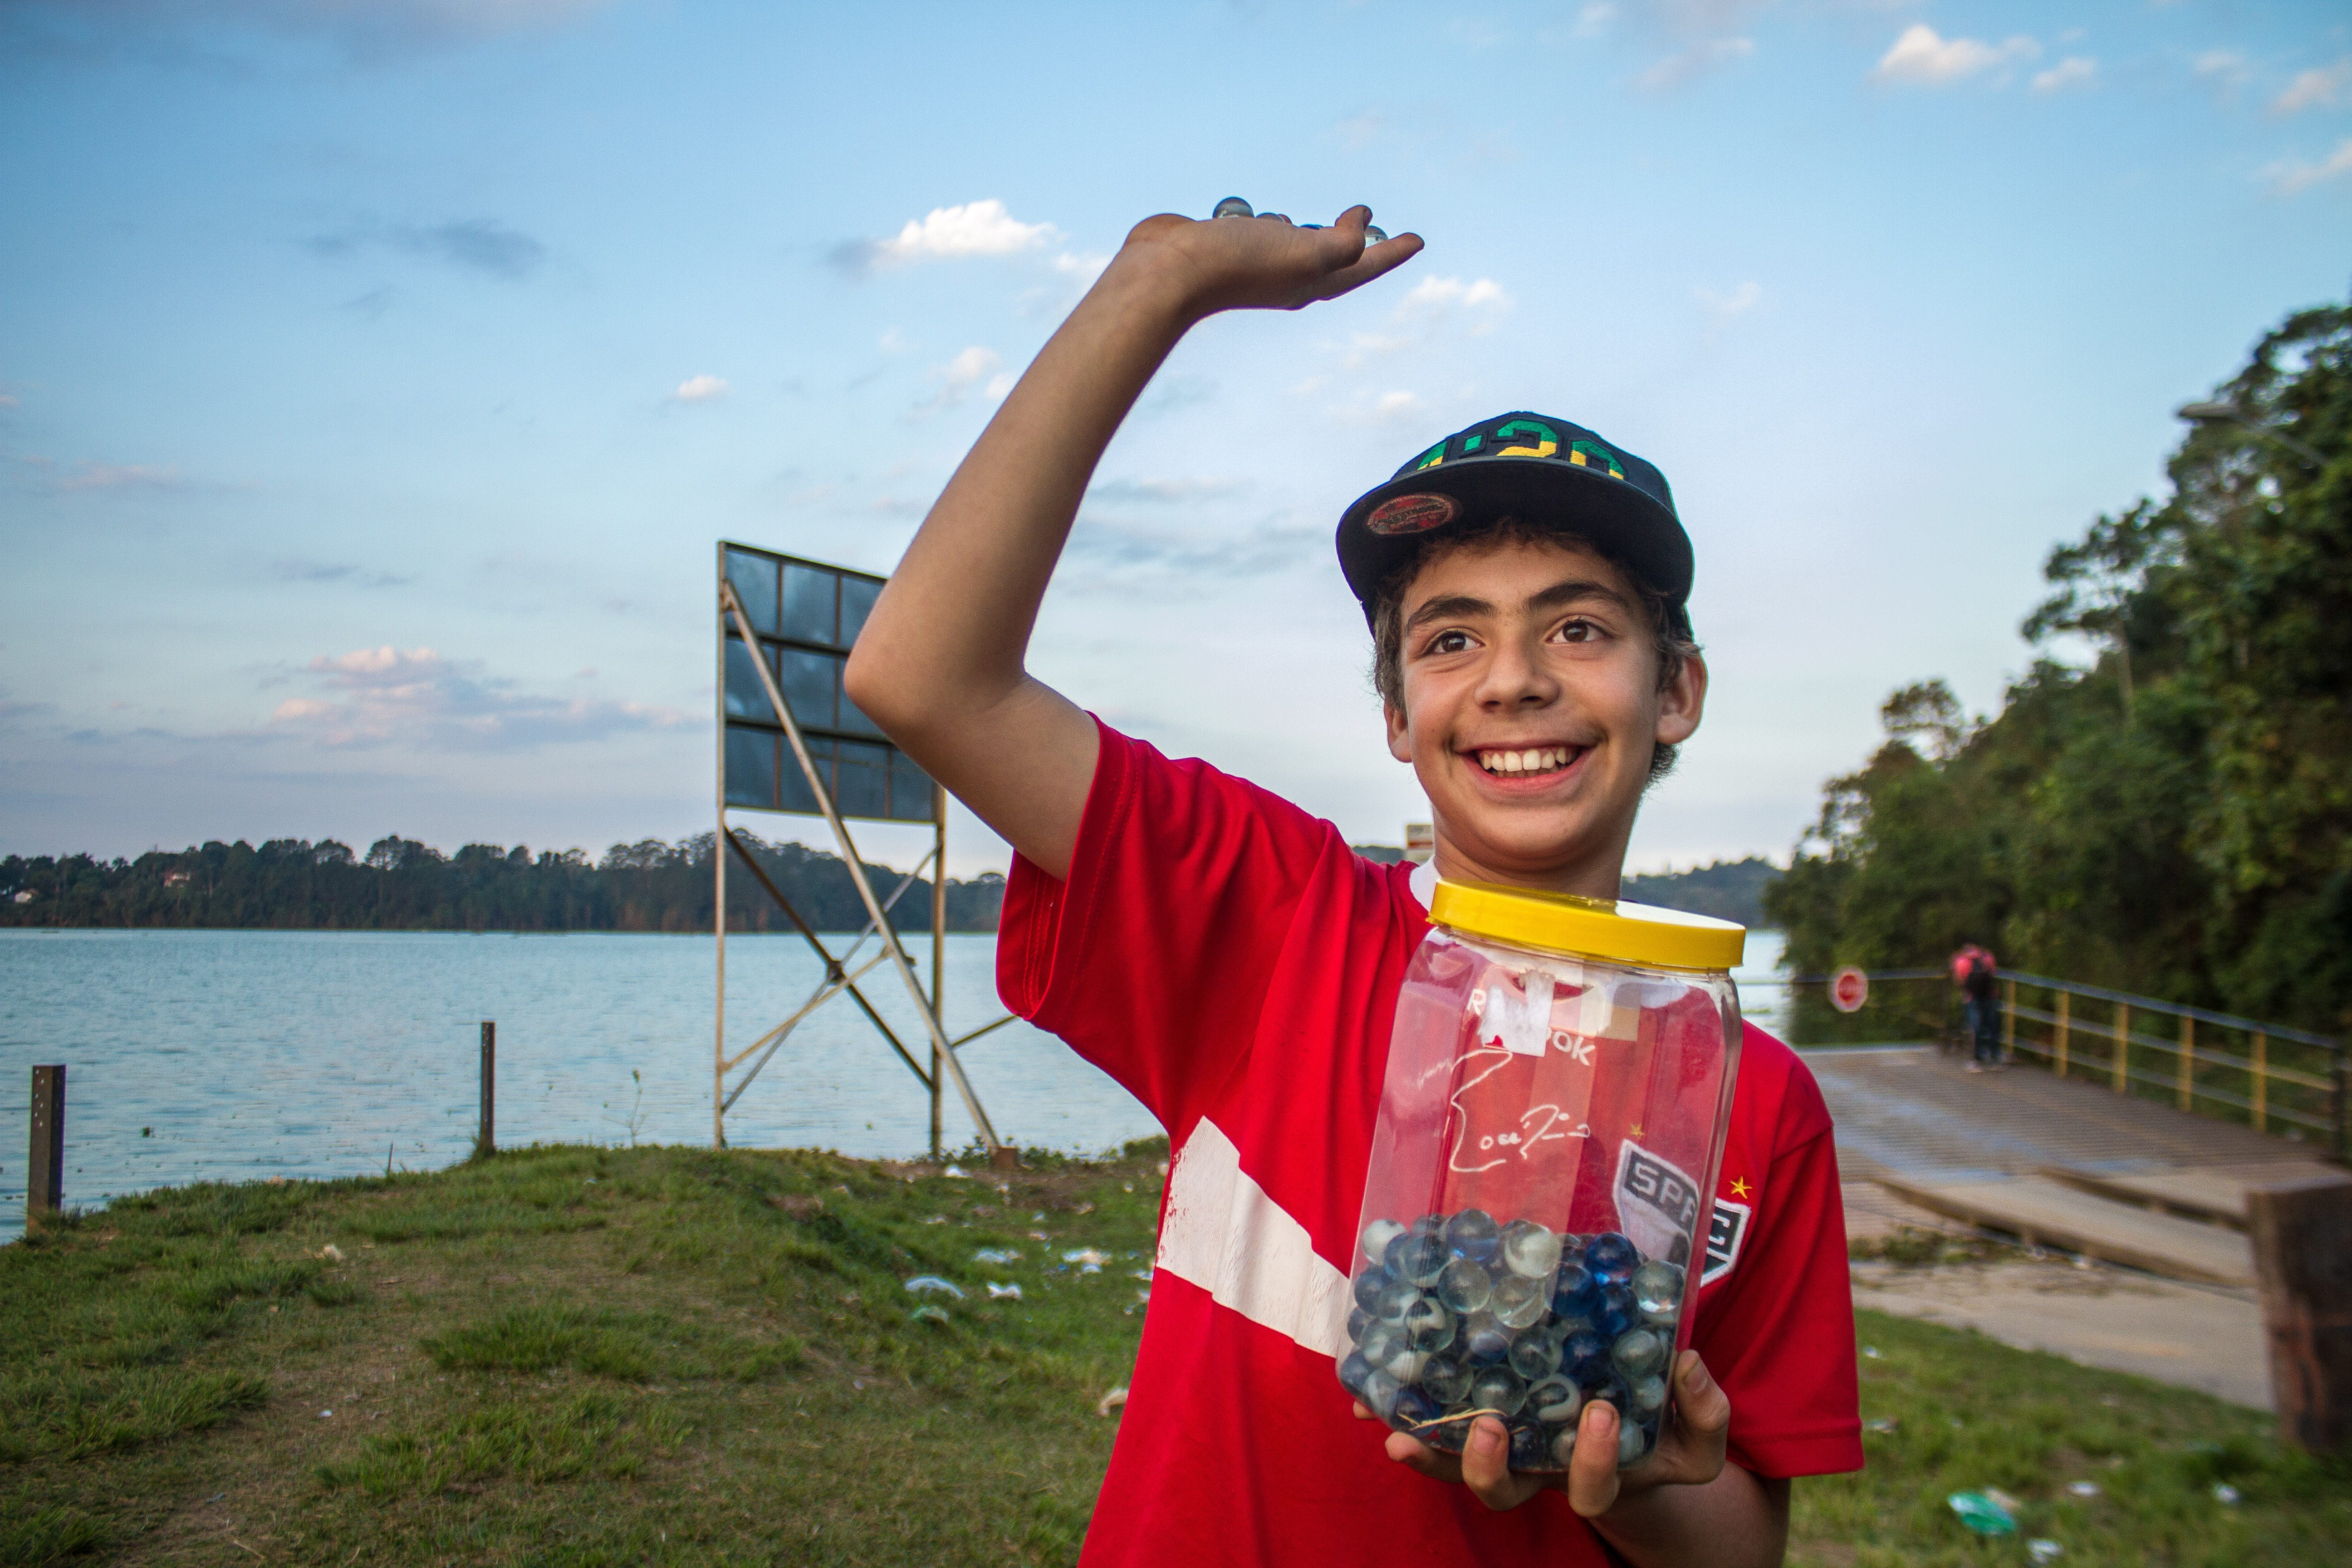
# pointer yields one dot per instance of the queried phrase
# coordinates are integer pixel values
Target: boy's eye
(1449, 642)
(1577, 631)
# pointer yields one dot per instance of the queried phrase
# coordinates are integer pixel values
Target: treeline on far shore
(292, 884)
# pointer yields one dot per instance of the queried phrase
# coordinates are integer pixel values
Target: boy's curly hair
(1669, 623)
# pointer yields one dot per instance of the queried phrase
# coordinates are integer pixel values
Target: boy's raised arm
(941, 664)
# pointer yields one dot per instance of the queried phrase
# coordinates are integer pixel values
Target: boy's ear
(1682, 702)
(1399, 736)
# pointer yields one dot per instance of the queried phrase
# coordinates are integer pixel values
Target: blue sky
(375, 375)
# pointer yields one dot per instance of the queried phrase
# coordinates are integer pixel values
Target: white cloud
(957, 378)
(1738, 302)
(1085, 266)
(2075, 71)
(950, 233)
(1923, 56)
(2290, 177)
(1696, 60)
(1175, 492)
(1397, 406)
(1000, 384)
(1358, 133)
(415, 698)
(1593, 20)
(2323, 87)
(2226, 66)
(1436, 296)
(701, 389)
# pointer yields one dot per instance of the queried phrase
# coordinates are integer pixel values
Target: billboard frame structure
(820, 787)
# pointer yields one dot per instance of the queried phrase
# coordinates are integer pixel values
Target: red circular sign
(1849, 989)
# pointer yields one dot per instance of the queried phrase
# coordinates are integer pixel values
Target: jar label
(1656, 1200)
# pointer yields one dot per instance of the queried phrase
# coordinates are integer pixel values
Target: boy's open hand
(1690, 1452)
(1256, 263)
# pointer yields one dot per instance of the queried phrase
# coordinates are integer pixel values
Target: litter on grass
(932, 1285)
(1982, 1514)
(932, 1314)
(956, 1173)
(1089, 1260)
(1003, 1292)
(2044, 1549)
(2084, 1489)
(1879, 1424)
(2223, 1492)
(331, 1252)
(1114, 1400)
(996, 1255)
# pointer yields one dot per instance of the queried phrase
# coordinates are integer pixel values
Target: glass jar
(1550, 1134)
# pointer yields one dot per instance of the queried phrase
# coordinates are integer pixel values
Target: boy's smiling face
(1532, 706)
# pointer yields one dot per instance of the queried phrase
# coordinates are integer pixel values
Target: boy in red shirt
(1223, 955)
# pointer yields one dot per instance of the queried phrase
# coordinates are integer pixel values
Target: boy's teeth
(1534, 760)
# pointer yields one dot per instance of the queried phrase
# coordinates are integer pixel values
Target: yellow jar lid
(1590, 928)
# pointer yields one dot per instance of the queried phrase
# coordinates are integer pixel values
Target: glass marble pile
(1457, 1316)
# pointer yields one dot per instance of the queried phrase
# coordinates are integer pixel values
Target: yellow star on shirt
(1738, 1188)
(1637, 1130)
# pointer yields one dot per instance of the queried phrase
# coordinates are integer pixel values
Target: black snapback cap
(1531, 465)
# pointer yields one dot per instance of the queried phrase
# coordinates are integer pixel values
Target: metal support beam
(944, 1050)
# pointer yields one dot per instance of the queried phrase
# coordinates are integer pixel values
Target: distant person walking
(1974, 970)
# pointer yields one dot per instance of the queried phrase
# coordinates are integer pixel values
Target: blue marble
(1487, 1340)
(1575, 1293)
(1473, 1233)
(1586, 1355)
(1414, 1408)
(1418, 1256)
(1555, 1400)
(1632, 1445)
(1498, 1389)
(1465, 1287)
(1519, 1302)
(1374, 234)
(1616, 1314)
(1611, 1259)
(1233, 207)
(1649, 1396)
(1369, 1286)
(1357, 1321)
(1657, 1293)
(1609, 1390)
(1380, 1393)
(1531, 1448)
(1529, 1250)
(1383, 1342)
(1428, 1325)
(1395, 1300)
(1353, 1371)
(1446, 1379)
(1535, 1356)
(1639, 1355)
(1563, 1447)
(1405, 1366)
(1377, 1236)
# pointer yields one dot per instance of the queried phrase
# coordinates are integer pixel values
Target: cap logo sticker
(1413, 514)
(1546, 439)
(1430, 459)
(1579, 451)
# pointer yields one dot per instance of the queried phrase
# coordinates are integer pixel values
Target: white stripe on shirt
(1223, 1234)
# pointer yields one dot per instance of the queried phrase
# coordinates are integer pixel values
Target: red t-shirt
(1225, 956)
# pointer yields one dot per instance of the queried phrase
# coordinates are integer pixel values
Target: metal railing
(2270, 1077)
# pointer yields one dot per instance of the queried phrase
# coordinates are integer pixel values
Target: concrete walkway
(2063, 1163)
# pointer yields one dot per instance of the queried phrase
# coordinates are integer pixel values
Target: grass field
(584, 1356)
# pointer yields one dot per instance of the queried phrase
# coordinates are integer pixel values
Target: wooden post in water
(46, 1180)
(2302, 1233)
(2185, 1079)
(486, 1140)
(2063, 998)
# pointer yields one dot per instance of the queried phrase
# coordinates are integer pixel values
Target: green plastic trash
(1982, 1514)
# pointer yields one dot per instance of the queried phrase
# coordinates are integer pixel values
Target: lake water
(226, 1056)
